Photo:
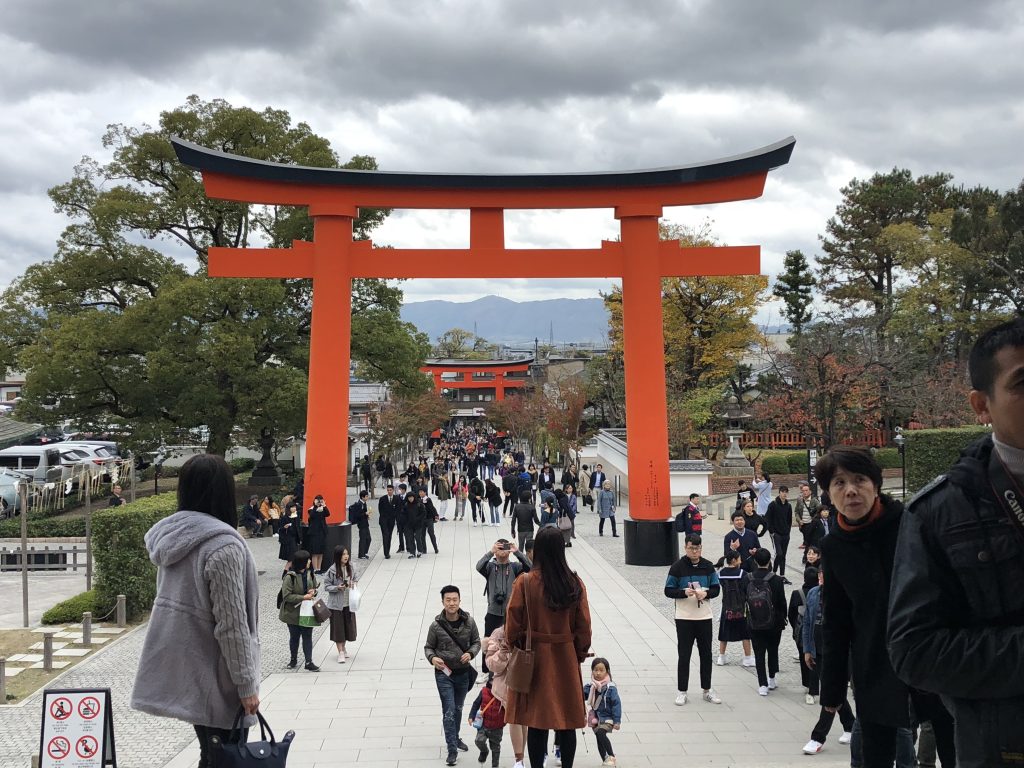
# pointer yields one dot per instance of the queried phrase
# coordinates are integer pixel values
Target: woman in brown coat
(555, 600)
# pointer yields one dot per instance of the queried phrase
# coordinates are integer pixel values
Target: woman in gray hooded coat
(204, 620)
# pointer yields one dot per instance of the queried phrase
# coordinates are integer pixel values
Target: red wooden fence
(872, 438)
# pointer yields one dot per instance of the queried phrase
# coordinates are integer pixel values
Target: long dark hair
(338, 552)
(562, 587)
(207, 484)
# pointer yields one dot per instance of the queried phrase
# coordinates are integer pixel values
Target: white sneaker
(763, 690)
(711, 697)
(812, 747)
(721, 660)
(772, 685)
(846, 738)
(474, 525)
(809, 700)
(748, 661)
(518, 764)
(681, 699)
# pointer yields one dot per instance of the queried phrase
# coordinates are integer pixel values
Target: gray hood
(174, 537)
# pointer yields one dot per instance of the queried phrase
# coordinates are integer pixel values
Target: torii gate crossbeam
(640, 258)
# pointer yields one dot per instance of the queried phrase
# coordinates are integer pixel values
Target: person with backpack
(810, 636)
(693, 582)
(732, 625)
(298, 585)
(359, 516)
(491, 723)
(477, 494)
(766, 617)
(691, 519)
(797, 611)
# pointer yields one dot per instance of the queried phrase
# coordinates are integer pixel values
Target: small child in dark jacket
(492, 725)
(604, 707)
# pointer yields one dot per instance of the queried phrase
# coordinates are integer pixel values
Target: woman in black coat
(316, 533)
(857, 556)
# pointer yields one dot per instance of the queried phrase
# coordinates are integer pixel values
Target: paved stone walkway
(381, 709)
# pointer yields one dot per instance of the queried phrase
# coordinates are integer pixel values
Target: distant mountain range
(503, 321)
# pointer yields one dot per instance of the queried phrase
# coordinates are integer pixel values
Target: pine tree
(795, 287)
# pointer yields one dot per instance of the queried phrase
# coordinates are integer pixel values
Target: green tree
(460, 344)
(795, 286)
(122, 335)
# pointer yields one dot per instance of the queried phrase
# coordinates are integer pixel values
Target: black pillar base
(650, 542)
(337, 534)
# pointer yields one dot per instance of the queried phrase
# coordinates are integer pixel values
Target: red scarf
(873, 517)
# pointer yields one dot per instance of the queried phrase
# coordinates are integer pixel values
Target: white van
(41, 463)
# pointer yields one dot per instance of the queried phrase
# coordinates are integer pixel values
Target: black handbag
(253, 754)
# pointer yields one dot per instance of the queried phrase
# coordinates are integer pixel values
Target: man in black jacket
(387, 515)
(779, 519)
(508, 487)
(430, 516)
(956, 610)
(415, 518)
(359, 516)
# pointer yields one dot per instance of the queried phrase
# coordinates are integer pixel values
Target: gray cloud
(533, 85)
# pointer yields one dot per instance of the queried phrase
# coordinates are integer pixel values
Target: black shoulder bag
(254, 754)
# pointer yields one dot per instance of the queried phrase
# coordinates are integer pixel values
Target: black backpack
(759, 606)
(680, 523)
(734, 601)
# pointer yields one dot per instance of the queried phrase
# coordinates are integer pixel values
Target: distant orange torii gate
(640, 258)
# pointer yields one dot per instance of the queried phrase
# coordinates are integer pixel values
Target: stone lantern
(734, 464)
(266, 471)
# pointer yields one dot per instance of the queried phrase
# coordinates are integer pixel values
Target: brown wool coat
(561, 640)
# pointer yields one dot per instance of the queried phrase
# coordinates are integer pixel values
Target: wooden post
(3, 680)
(131, 475)
(48, 652)
(88, 536)
(23, 496)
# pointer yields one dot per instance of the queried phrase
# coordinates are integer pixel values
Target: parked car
(41, 463)
(95, 452)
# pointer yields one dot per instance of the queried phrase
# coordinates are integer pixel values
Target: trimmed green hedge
(775, 465)
(888, 458)
(70, 611)
(43, 527)
(798, 463)
(122, 563)
(238, 466)
(931, 452)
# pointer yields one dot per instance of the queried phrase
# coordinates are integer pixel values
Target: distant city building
(11, 386)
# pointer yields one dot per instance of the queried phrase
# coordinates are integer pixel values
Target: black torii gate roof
(756, 161)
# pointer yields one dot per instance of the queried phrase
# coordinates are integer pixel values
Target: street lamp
(901, 446)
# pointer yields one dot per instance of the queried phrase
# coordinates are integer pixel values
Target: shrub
(165, 471)
(931, 452)
(888, 458)
(238, 466)
(798, 463)
(123, 566)
(43, 527)
(774, 464)
(71, 610)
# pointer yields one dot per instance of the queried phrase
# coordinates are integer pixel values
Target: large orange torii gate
(640, 258)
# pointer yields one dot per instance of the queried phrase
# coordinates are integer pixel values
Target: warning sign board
(77, 730)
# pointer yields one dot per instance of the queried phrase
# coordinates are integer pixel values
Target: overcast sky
(532, 85)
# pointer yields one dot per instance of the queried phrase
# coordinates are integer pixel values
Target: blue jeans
(452, 690)
(879, 751)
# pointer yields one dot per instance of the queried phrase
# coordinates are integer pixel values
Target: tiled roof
(12, 432)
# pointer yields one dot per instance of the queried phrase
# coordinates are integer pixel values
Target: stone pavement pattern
(381, 708)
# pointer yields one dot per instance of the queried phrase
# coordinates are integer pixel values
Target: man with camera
(500, 571)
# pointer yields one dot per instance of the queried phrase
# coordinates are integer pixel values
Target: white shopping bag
(353, 599)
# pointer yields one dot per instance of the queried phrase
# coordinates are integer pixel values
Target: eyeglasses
(695, 548)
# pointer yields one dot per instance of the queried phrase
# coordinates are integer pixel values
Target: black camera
(500, 598)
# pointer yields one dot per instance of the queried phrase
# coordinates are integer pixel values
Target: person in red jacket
(492, 713)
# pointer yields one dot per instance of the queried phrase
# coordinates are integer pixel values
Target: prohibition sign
(61, 708)
(58, 748)
(89, 707)
(86, 746)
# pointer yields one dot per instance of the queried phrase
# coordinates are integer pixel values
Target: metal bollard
(3, 680)
(48, 652)
(87, 628)
(122, 611)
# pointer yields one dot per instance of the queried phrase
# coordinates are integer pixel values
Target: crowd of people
(916, 609)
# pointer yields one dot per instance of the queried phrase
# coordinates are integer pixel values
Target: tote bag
(519, 672)
(254, 754)
(307, 617)
(354, 597)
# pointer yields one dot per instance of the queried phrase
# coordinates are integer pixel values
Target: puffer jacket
(440, 643)
(956, 609)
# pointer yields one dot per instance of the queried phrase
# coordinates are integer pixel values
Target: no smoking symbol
(86, 746)
(88, 707)
(61, 709)
(58, 748)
